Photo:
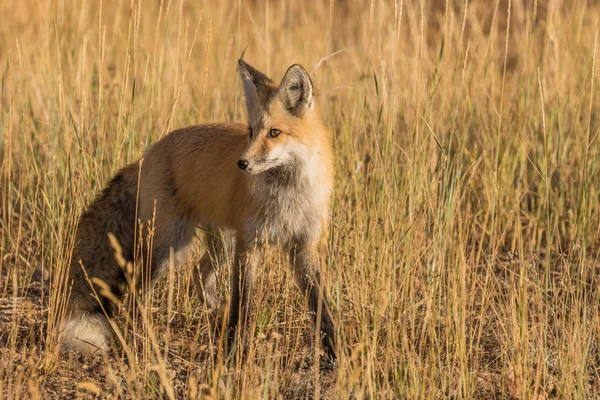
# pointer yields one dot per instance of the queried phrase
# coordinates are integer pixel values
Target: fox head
(283, 127)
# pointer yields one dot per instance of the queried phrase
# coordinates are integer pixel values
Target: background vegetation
(462, 259)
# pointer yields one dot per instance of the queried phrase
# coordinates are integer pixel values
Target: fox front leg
(304, 261)
(242, 291)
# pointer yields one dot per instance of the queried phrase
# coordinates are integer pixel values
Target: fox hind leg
(204, 273)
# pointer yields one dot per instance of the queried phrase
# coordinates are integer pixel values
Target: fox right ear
(256, 86)
(297, 90)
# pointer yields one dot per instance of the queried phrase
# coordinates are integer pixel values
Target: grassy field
(463, 255)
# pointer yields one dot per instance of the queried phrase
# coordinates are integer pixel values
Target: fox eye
(250, 132)
(274, 132)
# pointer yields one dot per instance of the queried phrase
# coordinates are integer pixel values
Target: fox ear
(256, 86)
(296, 91)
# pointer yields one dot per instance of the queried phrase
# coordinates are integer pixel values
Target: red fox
(267, 182)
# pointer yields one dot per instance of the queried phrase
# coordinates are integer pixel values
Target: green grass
(462, 256)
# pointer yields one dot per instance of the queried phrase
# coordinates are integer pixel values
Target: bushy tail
(113, 211)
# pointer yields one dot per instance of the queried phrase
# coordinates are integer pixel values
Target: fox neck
(284, 176)
(294, 198)
(302, 176)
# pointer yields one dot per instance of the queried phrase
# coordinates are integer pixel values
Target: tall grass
(462, 256)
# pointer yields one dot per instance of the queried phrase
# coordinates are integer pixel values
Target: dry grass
(462, 260)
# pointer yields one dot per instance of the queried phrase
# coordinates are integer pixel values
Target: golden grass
(463, 252)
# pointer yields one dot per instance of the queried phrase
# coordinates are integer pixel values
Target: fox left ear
(296, 91)
(256, 87)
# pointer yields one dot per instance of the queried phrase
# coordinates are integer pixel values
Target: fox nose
(243, 164)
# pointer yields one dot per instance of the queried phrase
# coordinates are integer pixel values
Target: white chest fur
(293, 203)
